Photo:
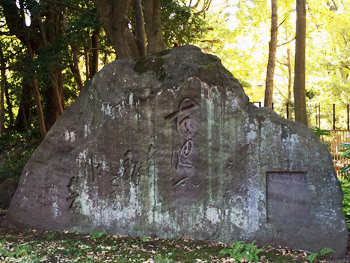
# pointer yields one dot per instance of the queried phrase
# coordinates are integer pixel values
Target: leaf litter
(68, 246)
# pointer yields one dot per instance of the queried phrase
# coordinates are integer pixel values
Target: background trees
(51, 48)
(327, 36)
(272, 55)
(71, 40)
(299, 66)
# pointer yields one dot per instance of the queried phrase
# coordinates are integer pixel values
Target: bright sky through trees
(245, 51)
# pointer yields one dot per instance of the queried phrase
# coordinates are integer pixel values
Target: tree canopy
(51, 48)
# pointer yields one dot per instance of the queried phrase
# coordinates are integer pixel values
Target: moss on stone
(163, 53)
(210, 67)
(154, 63)
(162, 76)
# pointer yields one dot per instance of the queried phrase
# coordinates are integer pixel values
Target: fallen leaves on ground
(67, 246)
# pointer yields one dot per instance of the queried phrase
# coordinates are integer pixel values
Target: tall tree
(114, 17)
(61, 34)
(54, 78)
(22, 118)
(299, 66)
(2, 91)
(95, 53)
(74, 66)
(39, 109)
(289, 83)
(154, 26)
(140, 27)
(272, 56)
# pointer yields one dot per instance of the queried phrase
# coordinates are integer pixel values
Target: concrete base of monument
(169, 145)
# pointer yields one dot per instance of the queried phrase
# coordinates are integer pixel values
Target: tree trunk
(289, 82)
(140, 27)
(50, 110)
(299, 67)
(289, 99)
(9, 105)
(105, 59)
(24, 107)
(57, 97)
(87, 58)
(39, 109)
(57, 94)
(272, 56)
(59, 78)
(2, 93)
(154, 26)
(13, 19)
(94, 61)
(75, 67)
(34, 39)
(114, 18)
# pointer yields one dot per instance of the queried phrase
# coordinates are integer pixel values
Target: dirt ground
(17, 236)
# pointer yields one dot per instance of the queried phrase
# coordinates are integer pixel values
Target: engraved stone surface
(287, 197)
(169, 145)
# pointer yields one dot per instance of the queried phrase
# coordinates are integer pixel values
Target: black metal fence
(324, 116)
(331, 117)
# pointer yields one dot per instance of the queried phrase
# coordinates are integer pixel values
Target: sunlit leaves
(181, 24)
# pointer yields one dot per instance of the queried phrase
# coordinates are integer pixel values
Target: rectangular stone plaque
(287, 196)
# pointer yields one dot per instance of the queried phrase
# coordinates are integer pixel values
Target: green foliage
(26, 253)
(82, 24)
(239, 250)
(326, 251)
(210, 67)
(323, 252)
(346, 154)
(150, 63)
(345, 184)
(145, 239)
(312, 257)
(96, 235)
(15, 150)
(318, 132)
(50, 236)
(181, 24)
(245, 84)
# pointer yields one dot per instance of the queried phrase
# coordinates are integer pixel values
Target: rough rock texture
(168, 145)
(7, 190)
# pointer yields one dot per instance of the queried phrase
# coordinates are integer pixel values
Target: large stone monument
(168, 145)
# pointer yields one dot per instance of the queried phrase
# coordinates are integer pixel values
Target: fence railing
(336, 117)
(323, 116)
(333, 141)
(336, 137)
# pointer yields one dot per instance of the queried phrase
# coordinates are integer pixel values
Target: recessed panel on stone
(287, 196)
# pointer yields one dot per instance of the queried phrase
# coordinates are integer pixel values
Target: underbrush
(15, 150)
(345, 184)
(66, 246)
